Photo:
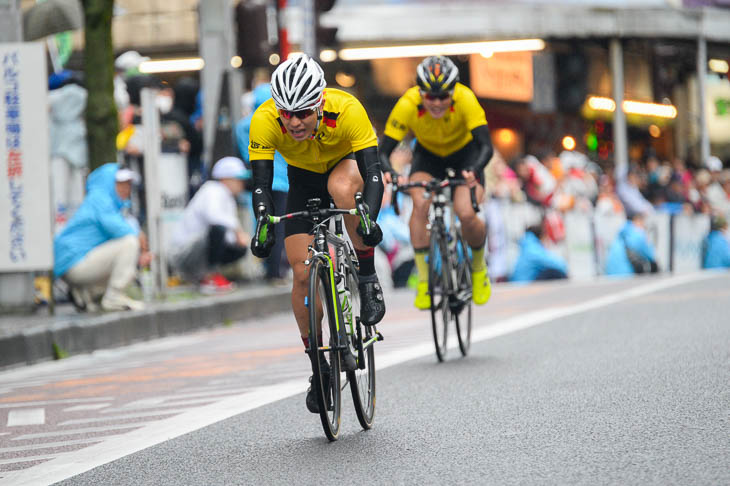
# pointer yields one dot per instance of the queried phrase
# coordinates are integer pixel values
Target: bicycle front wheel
(462, 304)
(362, 380)
(323, 321)
(439, 285)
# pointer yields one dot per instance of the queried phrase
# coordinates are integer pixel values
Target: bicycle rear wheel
(362, 380)
(439, 283)
(323, 318)
(463, 298)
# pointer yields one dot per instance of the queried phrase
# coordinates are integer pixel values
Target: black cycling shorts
(305, 185)
(425, 161)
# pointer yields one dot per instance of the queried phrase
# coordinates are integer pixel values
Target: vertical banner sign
(25, 208)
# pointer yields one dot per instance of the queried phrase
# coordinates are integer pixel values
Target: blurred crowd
(222, 216)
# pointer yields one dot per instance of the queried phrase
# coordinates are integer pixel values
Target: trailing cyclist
(451, 131)
(330, 147)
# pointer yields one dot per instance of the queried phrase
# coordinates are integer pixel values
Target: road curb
(87, 333)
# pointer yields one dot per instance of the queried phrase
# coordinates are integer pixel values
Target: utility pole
(217, 47)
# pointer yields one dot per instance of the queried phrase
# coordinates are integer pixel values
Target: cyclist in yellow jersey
(451, 131)
(330, 147)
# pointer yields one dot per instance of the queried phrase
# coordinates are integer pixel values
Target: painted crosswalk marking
(48, 445)
(82, 408)
(125, 416)
(54, 402)
(15, 460)
(88, 430)
(26, 416)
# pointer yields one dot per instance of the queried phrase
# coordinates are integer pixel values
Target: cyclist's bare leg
(419, 216)
(344, 181)
(472, 226)
(296, 252)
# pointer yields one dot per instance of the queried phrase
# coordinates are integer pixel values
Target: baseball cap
(230, 168)
(126, 175)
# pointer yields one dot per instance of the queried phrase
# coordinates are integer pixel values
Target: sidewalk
(28, 339)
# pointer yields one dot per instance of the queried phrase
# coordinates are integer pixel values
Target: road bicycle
(333, 301)
(449, 263)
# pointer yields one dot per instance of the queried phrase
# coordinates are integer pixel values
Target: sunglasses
(301, 114)
(439, 97)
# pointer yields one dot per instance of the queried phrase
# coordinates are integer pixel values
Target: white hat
(126, 175)
(230, 168)
(714, 164)
(129, 60)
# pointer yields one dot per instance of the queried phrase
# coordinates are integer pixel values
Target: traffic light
(572, 75)
(326, 36)
(254, 42)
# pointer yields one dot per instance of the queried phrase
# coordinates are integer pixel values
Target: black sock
(367, 261)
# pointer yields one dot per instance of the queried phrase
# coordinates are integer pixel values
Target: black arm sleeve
(385, 148)
(484, 139)
(367, 162)
(263, 180)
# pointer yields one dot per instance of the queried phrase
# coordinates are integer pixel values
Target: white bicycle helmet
(297, 84)
(437, 74)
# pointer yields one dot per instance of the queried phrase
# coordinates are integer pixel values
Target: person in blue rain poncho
(716, 246)
(630, 252)
(535, 262)
(98, 251)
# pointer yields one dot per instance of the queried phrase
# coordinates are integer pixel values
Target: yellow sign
(504, 76)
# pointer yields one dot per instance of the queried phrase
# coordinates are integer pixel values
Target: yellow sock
(477, 259)
(419, 255)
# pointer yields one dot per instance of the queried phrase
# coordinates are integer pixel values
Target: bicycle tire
(463, 313)
(439, 283)
(323, 311)
(362, 380)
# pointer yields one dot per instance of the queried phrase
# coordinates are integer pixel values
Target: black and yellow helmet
(437, 74)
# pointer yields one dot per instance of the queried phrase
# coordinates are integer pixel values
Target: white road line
(26, 416)
(111, 418)
(78, 462)
(47, 445)
(89, 430)
(81, 408)
(54, 402)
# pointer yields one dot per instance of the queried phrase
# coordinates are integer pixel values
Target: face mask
(164, 104)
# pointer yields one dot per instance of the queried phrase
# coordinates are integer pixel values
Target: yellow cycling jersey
(442, 136)
(345, 128)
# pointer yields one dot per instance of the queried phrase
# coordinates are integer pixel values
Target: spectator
(98, 248)
(276, 264)
(210, 232)
(716, 247)
(535, 262)
(69, 154)
(126, 65)
(538, 183)
(628, 184)
(183, 108)
(631, 251)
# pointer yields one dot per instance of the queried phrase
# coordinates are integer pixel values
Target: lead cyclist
(330, 147)
(451, 129)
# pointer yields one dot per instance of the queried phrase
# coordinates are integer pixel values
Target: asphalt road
(611, 382)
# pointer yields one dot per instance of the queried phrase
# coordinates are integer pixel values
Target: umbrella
(51, 17)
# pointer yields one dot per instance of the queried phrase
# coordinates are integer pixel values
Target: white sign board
(25, 208)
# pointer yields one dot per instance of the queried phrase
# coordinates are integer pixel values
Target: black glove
(264, 239)
(375, 236)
